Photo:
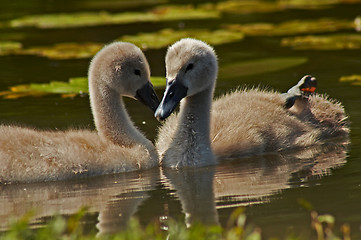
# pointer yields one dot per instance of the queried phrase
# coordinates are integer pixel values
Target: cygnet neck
(112, 121)
(194, 128)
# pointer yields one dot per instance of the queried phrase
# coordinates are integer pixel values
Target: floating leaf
(251, 6)
(330, 42)
(310, 4)
(9, 47)
(75, 86)
(293, 27)
(259, 66)
(244, 7)
(65, 50)
(353, 79)
(155, 40)
(63, 20)
(166, 37)
(57, 51)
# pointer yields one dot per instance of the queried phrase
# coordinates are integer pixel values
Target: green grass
(61, 228)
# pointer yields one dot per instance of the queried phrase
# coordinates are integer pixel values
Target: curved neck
(193, 131)
(111, 119)
(195, 113)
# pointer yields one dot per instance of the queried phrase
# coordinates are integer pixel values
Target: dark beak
(309, 84)
(173, 94)
(147, 95)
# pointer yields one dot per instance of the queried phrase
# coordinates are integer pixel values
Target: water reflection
(115, 197)
(202, 191)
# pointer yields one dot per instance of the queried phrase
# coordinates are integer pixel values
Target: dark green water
(269, 187)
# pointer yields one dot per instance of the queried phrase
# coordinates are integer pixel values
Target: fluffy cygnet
(240, 123)
(119, 69)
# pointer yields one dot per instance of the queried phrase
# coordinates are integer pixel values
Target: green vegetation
(353, 79)
(79, 85)
(64, 50)
(75, 86)
(71, 228)
(165, 13)
(250, 7)
(9, 47)
(59, 51)
(84, 19)
(244, 7)
(329, 42)
(293, 27)
(166, 37)
(66, 89)
(156, 40)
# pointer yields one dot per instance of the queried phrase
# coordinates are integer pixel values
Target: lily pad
(353, 79)
(293, 27)
(310, 4)
(65, 50)
(244, 7)
(167, 36)
(75, 86)
(9, 47)
(251, 6)
(57, 51)
(83, 19)
(329, 42)
(259, 66)
(154, 40)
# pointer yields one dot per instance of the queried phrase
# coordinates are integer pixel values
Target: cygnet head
(122, 68)
(191, 67)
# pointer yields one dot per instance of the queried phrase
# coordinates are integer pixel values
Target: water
(269, 187)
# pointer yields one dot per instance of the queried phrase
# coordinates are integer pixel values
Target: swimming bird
(240, 123)
(119, 69)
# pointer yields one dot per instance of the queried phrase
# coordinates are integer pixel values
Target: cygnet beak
(173, 94)
(147, 96)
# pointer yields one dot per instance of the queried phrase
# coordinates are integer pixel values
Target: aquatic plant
(167, 36)
(84, 19)
(9, 47)
(293, 27)
(155, 40)
(354, 79)
(64, 50)
(325, 42)
(75, 86)
(251, 7)
(79, 85)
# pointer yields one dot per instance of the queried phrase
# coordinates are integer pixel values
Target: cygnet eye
(137, 72)
(189, 67)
